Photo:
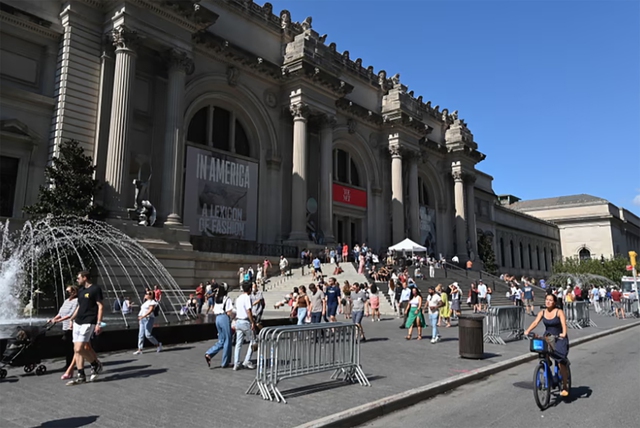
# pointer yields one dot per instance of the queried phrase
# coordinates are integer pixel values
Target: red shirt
(199, 292)
(157, 294)
(615, 295)
(577, 292)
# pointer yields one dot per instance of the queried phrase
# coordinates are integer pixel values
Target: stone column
(326, 178)
(397, 198)
(179, 64)
(299, 173)
(461, 223)
(470, 180)
(414, 201)
(117, 170)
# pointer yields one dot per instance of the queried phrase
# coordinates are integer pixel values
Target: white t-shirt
(243, 304)
(224, 307)
(144, 308)
(434, 300)
(482, 291)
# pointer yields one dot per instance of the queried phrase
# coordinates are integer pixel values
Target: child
(374, 302)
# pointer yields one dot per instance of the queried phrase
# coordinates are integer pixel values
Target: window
(530, 259)
(423, 193)
(553, 260)
(218, 128)
(546, 266)
(344, 168)
(538, 257)
(521, 256)
(8, 182)
(513, 258)
(584, 254)
(502, 261)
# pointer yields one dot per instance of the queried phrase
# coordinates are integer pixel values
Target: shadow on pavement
(127, 369)
(490, 355)
(324, 386)
(9, 380)
(177, 348)
(137, 374)
(76, 422)
(579, 392)
(116, 362)
(376, 339)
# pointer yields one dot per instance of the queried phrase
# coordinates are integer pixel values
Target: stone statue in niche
(143, 211)
(148, 214)
(232, 76)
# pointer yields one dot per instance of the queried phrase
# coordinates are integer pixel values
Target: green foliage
(69, 187)
(614, 268)
(486, 253)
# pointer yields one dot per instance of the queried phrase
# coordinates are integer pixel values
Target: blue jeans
(316, 317)
(146, 326)
(302, 315)
(243, 328)
(223, 325)
(433, 319)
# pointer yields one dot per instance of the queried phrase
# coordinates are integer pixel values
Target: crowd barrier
(504, 319)
(577, 315)
(631, 308)
(286, 352)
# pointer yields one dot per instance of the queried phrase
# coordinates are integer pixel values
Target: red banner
(349, 195)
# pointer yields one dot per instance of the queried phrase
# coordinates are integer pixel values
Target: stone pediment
(18, 130)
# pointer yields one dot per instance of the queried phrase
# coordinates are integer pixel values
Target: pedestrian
(444, 309)
(528, 298)
(332, 293)
(200, 298)
(374, 302)
(302, 304)
(360, 264)
(345, 252)
(257, 303)
(157, 293)
(283, 264)
(346, 300)
(392, 294)
(616, 298)
(434, 303)
(359, 299)
(456, 295)
(317, 268)
(223, 310)
(482, 296)
(318, 304)
(405, 296)
(414, 314)
(66, 310)
(87, 320)
(245, 326)
(146, 317)
(266, 265)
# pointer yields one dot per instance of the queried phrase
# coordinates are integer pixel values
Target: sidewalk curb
(384, 406)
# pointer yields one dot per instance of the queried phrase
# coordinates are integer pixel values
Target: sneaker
(138, 352)
(98, 367)
(77, 381)
(438, 338)
(236, 367)
(433, 340)
(249, 365)
(94, 374)
(159, 347)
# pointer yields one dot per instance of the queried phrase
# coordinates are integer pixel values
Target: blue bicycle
(545, 378)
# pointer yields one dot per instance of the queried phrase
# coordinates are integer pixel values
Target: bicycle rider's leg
(564, 372)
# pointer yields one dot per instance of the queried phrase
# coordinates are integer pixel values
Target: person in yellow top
(568, 298)
(445, 311)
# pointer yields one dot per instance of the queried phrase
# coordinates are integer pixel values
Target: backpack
(156, 310)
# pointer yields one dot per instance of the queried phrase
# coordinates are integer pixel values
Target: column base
(298, 236)
(173, 220)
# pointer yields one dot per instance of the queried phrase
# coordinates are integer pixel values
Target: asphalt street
(605, 393)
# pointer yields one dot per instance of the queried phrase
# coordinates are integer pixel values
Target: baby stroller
(23, 350)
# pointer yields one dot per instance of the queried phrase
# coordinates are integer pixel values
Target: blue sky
(550, 89)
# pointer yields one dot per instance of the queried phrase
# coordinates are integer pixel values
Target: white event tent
(408, 245)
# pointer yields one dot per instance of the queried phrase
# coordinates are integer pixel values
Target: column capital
(396, 151)
(299, 111)
(328, 121)
(457, 175)
(124, 37)
(178, 59)
(469, 177)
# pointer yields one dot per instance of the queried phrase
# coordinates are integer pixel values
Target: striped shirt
(67, 309)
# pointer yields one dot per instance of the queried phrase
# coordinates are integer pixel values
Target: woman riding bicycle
(555, 325)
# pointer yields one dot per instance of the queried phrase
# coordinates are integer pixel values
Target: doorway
(348, 230)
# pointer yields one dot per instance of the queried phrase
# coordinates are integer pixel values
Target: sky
(550, 89)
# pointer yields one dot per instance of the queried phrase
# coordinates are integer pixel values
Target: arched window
(218, 128)
(513, 257)
(521, 256)
(502, 258)
(344, 169)
(584, 254)
(423, 193)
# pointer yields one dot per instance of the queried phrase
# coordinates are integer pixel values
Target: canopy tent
(408, 245)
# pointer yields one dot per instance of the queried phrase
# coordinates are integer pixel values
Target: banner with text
(220, 195)
(349, 195)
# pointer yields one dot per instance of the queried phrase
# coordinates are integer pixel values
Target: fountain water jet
(119, 264)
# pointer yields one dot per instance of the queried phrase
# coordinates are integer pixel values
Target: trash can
(470, 336)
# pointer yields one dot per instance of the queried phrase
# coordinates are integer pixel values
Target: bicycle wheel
(541, 386)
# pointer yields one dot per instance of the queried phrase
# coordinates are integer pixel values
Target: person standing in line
(405, 296)
(528, 298)
(146, 317)
(66, 310)
(283, 264)
(87, 320)
(434, 303)
(303, 305)
(332, 293)
(318, 304)
(223, 310)
(245, 326)
(257, 303)
(359, 299)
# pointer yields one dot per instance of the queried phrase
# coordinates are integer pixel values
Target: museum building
(246, 127)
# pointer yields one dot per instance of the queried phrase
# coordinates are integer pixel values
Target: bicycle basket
(538, 345)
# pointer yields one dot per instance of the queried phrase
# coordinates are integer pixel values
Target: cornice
(347, 106)
(468, 152)
(187, 14)
(308, 71)
(41, 29)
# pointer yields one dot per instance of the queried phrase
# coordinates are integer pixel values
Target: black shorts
(317, 270)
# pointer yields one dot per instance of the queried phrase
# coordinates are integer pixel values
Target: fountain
(581, 279)
(60, 247)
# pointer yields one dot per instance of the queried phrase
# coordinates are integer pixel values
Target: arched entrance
(349, 199)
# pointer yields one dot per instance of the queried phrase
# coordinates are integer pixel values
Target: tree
(613, 268)
(69, 187)
(486, 254)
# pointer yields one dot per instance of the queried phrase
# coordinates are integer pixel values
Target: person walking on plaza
(200, 298)
(266, 265)
(482, 296)
(374, 302)
(66, 310)
(332, 293)
(223, 310)
(146, 317)
(434, 303)
(528, 298)
(302, 305)
(283, 264)
(317, 268)
(318, 304)
(359, 299)
(346, 300)
(361, 264)
(245, 326)
(87, 320)
(414, 314)
(616, 298)
(405, 296)
(444, 309)
(345, 252)
(257, 303)
(456, 295)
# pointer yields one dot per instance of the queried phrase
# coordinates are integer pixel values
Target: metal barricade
(631, 308)
(577, 315)
(286, 352)
(504, 319)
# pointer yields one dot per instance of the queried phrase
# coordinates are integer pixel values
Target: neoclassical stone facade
(247, 126)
